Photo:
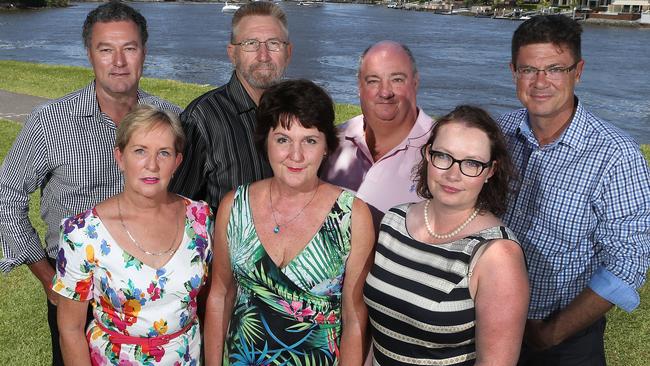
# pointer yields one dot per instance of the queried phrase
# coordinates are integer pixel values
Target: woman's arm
(501, 294)
(354, 338)
(71, 319)
(221, 296)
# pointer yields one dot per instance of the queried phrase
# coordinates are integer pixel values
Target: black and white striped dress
(419, 304)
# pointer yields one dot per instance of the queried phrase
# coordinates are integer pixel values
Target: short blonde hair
(149, 117)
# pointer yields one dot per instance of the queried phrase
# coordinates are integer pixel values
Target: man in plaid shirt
(582, 208)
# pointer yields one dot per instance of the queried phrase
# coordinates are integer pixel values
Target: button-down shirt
(382, 184)
(582, 212)
(220, 153)
(66, 149)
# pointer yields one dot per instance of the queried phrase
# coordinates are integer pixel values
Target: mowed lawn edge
(24, 334)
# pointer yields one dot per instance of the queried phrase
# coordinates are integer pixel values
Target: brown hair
(494, 194)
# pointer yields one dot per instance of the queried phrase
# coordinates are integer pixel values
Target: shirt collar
(420, 129)
(89, 106)
(242, 101)
(573, 136)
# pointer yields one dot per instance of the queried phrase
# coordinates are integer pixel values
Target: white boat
(230, 8)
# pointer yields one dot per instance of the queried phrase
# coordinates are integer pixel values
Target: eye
(250, 42)
(555, 70)
(273, 43)
(399, 80)
(527, 70)
(311, 141)
(165, 153)
(472, 164)
(281, 140)
(139, 151)
(104, 50)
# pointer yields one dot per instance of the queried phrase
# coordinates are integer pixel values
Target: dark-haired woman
(293, 251)
(449, 283)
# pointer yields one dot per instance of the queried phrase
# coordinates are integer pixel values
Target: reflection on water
(460, 59)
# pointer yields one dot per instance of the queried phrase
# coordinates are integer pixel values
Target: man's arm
(22, 172)
(623, 212)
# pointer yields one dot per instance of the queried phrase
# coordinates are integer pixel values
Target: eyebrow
(109, 44)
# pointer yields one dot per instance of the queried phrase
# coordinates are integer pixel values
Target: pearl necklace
(276, 229)
(451, 234)
(169, 251)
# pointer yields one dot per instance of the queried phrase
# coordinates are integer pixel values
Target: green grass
(24, 335)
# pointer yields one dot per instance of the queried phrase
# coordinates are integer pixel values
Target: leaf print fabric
(131, 298)
(290, 315)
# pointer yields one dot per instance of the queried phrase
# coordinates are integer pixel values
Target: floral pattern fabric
(289, 315)
(130, 298)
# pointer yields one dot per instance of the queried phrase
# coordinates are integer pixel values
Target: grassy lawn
(24, 335)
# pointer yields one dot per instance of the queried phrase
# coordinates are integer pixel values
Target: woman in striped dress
(284, 245)
(449, 283)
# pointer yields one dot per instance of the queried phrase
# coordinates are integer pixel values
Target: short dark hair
(300, 99)
(259, 8)
(557, 29)
(494, 195)
(114, 11)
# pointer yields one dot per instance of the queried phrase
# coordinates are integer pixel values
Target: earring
(486, 181)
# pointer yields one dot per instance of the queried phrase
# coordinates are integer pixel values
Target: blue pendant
(276, 229)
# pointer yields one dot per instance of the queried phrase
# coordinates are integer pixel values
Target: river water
(460, 59)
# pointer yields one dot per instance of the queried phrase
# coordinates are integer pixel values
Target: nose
(296, 152)
(453, 173)
(386, 90)
(540, 78)
(119, 58)
(263, 53)
(152, 163)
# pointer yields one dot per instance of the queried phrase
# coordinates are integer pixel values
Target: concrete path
(16, 107)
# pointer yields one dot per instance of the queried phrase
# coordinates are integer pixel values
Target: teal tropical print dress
(289, 315)
(132, 299)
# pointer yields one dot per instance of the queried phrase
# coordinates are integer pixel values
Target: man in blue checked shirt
(582, 211)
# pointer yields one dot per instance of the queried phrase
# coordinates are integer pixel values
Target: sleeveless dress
(130, 298)
(289, 315)
(419, 304)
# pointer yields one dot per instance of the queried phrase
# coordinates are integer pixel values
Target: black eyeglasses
(469, 167)
(252, 45)
(551, 73)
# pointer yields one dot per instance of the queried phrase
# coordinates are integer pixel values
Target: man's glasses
(252, 45)
(551, 73)
(469, 167)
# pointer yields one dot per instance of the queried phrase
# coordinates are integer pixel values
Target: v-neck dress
(130, 298)
(289, 315)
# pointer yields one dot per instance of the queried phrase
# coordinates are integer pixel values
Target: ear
(230, 50)
(579, 67)
(179, 160)
(491, 170)
(119, 158)
(289, 52)
(514, 72)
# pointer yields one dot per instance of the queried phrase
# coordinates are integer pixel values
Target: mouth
(150, 180)
(295, 170)
(449, 189)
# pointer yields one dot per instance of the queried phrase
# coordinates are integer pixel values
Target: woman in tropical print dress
(140, 258)
(293, 250)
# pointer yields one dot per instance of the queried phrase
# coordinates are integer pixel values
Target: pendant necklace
(276, 229)
(448, 235)
(169, 251)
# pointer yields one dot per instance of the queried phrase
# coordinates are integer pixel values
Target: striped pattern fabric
(419, 304)
(66, 149)
(220, 153)
(582, 211)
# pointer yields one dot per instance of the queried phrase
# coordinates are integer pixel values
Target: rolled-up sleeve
(623, 231)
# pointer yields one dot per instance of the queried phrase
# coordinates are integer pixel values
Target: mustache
(263, 65)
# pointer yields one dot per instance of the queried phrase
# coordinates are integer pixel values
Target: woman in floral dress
(140, 258)
(293, 250)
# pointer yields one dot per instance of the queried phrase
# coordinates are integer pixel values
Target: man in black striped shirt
(66, 147)
(220, 125)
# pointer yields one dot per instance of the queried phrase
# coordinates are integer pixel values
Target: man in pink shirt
(379, 148)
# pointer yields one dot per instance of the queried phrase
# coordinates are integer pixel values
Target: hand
(52, 296)
(539, 334)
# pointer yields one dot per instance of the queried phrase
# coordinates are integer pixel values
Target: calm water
(461, 59)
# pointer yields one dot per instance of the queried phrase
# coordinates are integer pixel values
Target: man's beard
(262, 80)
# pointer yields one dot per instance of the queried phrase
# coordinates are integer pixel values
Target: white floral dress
(132, 299)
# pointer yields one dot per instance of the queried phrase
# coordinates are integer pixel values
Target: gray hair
(260, 8)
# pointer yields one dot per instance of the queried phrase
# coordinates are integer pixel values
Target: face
(388, 86)
(547, 101)
(149, 160)
(296, 154)
(450, 187)
(259, 69)
(116, 54)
